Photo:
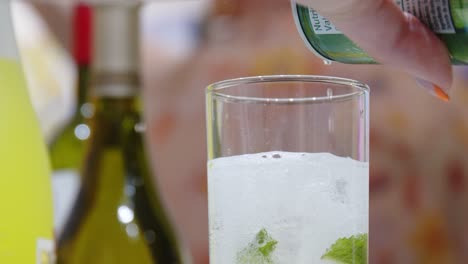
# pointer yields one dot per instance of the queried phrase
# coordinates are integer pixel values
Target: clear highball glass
(288, 175)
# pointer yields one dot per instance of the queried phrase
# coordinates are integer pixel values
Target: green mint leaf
(259, 251)
(266, 244)
(352, 250)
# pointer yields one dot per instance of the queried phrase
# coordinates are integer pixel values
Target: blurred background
(419, 144)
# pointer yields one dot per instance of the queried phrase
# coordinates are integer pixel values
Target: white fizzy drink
(301, 202)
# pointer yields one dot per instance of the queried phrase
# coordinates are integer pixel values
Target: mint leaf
(352, 250)
(259, 251)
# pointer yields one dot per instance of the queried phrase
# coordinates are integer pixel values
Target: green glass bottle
(67, 149)
(117, 217)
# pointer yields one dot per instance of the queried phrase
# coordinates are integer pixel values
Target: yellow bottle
(25, 196)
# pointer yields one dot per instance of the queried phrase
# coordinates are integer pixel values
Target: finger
(391, 36)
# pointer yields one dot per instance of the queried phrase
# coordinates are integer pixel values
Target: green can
(447, 18)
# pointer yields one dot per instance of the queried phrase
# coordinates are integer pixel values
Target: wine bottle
(67, 149)
(117, 217)
(25, 200)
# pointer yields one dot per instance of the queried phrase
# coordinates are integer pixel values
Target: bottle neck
(117, 106)
(82, 29)
(115, 84)
(115, 118)
(82, 86)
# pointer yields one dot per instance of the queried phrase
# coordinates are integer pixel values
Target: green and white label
(321, 25)
(433, 13)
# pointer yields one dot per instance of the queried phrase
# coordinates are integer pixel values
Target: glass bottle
(67, 149)
(117, 217)
(25, 200)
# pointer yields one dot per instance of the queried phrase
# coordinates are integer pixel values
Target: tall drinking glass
(288, 170)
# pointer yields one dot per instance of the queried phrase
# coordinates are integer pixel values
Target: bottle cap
(116, 38)
(82, 23)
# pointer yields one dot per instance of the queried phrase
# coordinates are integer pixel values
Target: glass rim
(215, 89)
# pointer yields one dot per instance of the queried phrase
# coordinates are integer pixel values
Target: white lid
(116, 37)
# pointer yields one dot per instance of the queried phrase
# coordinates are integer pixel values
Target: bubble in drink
(286, 207)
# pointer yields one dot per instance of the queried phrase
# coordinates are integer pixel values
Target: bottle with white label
(447, 18)
(67, 148)
(25, 199)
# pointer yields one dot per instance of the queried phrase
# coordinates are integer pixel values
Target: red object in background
(456, 176)
(82, 26)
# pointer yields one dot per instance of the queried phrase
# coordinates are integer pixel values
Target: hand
(392, 37)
